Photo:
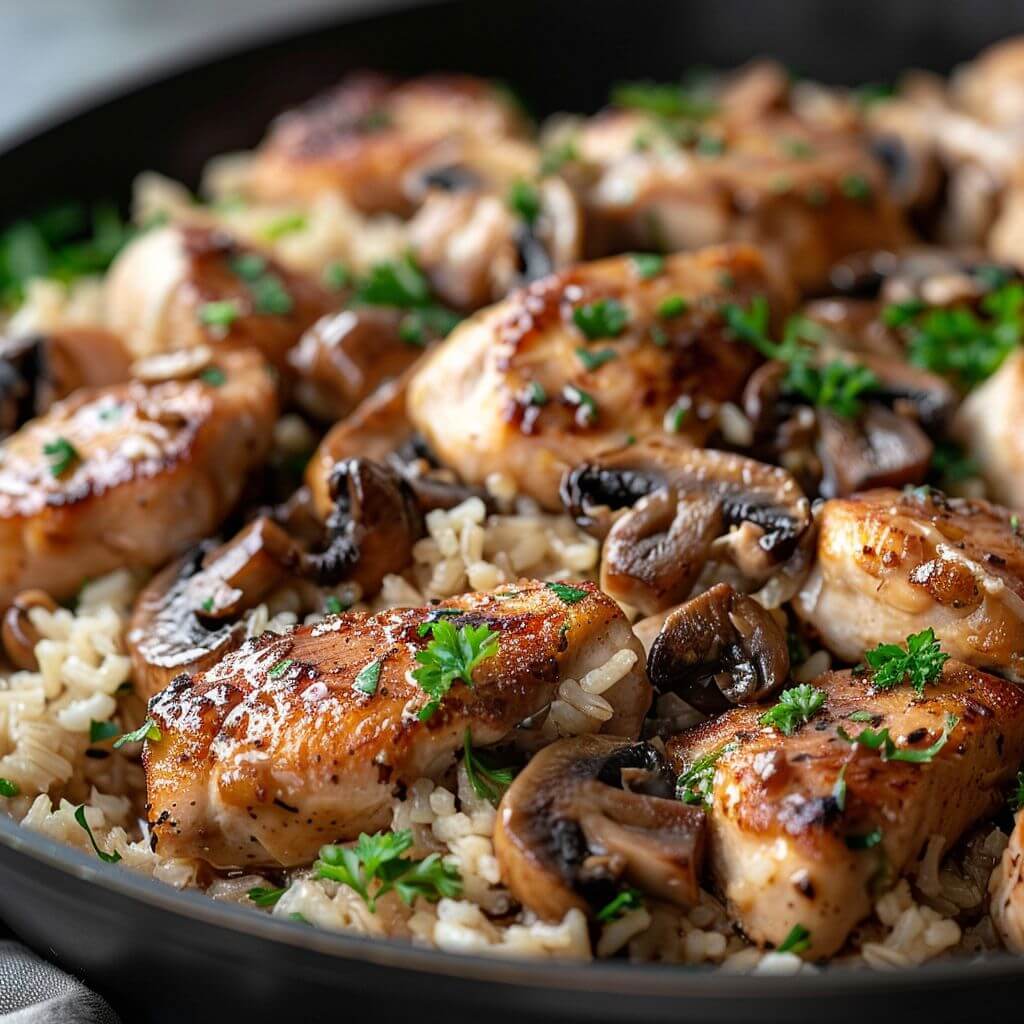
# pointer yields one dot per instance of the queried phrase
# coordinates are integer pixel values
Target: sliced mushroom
(718, 650)
(665, 512)
(19, 634)
(571, 832)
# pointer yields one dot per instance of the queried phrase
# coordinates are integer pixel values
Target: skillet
(161, 955)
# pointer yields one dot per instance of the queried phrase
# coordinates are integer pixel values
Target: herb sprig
(796, 706)
(452, 654)
(488, 783)
(696, 783)
(880, 740)
(919, 663)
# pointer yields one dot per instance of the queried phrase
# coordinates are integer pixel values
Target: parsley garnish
(628, 899)
(857, 187)
(696, 784)
(451, 654)
(567, 593)
(879, 739)
(436, 319)
(107, 858)
(920, 663)
(100, 731)
(555, 157)
(676, 414)
(286, 225)
(586, 406)
(149, 730)
(797, 706)
(336, 276)
(672, 305)
(602, 318)
(368, 677)
(214, 376)
(377, 861)
(62, 455)
(797, 941)
(535, 393)
(861, 716)
(8, 788)
(839, 790)
(664, 100)
(265, 897)
(523, 200)
(395, 283)
(435, 614)
(269, 295)
(595, 360)
(277, 670)
(647, 264)
(222, 313)
(333, 605)
(488, 783)
(1016, 798)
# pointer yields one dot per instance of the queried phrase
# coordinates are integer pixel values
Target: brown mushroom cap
(571, 834)
(19, 634)
(718, 650)
(684, 507)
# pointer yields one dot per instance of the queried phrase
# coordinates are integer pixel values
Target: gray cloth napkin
(35, 992)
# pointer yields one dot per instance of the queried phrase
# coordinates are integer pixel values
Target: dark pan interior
(164, 956)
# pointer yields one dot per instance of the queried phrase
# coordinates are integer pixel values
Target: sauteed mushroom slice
(683, 508)
(19, 635)
(718, 650)
(570, 832)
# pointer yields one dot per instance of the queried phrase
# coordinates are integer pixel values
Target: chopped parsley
(289, 224)
(62, 455)
(107, 858)
(337, 276)
(535, 393)
(586, 406)
(556, 156)
(375, 865)
(880, 740)
(865, 841)
(523, 200)
(566, 593)
(839, 790)
(796, 706)
(368, 677)
(696, 784)
(489, 783)
(602, 318)
(676, 414)
(398, 283)
(797, 941)
(861, 716)
(221, 314)
(919, 663)
(957, 342)
(628, 899)
(214, 376)
(263, 896)
(595, 360)
(673, 305)
(1016, 797)
(664, 100)
(100, 731)
(268, 292)
(434, 615)
(856, 187)
(436, 319)
(279, 669)
(9, 789)
(149, 730)
(647, 264)
(333, 605)
(452, 654)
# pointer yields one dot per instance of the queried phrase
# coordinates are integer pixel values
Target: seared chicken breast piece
(304, 738)
(1006, 888)
(180, 286)
(587, 359)
(808, 195)
(131, 474)
(807, 829)
(891, 563)
(364, 139)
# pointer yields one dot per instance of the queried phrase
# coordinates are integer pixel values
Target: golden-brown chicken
(891, 563)
(1006, 887)
(367, 138)
(300, 739)
(586, 360)
(130, 474)
(809, 196)
(806, 829)
(180, 286)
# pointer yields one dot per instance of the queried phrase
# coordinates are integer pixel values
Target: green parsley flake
(839, 790)
(676, 414)
(602, 318)
(856, 187)
(488, 782)
(1016, 797)
(337, 276)
(673, 305)
(628, 899)
(880, 740)
(280, 668)
(333, 605)
(214, 376)
(264, 897)
(664, 100)
(100, 731)
(523, 200)
(452, 654)
(586, 405)
(595, 360)
(398, 283)
(796, 706)
(62, 455)
(286, 225)
(839, 386)
(566, 593)
(149, 730)
(919, 664)
(535, 393)
(556, 156)
(696, 784)
(647, 264)
(9, 789)
(797, 941)
(368, 678)
(221, 314)
(107, 858)
(375, 866)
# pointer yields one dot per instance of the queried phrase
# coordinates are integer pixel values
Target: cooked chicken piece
(177, 287)
(1006, 887)
(990, 425)
(788, 847)
(38, 369)
(525, 389)
(131, 474)
(991, 87)
(809, 196)
(369, 135)
(304, 738)
(891, 563)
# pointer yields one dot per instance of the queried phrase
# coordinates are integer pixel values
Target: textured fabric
(35, 992)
